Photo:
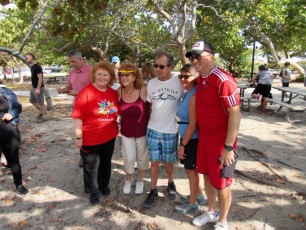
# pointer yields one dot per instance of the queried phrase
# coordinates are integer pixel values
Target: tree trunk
(181, 48)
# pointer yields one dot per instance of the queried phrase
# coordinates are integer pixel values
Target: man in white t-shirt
(163, 94)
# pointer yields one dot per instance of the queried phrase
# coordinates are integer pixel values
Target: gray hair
(75, 53)
(170, 58)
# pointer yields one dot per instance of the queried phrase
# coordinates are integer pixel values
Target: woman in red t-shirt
(95, 127)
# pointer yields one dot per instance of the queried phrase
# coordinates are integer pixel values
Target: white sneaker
(139, 187)
(205, 218)
(221, 226)
(127, 187)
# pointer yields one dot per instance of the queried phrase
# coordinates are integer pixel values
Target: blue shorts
(162, 146)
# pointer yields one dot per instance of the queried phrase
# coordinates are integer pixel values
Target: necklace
(130, 92)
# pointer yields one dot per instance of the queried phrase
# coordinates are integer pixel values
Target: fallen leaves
(296, 216)
(9, 201)
(152, 226)
(22, 223)
(42, 150)
(50, 207)
(281, 180)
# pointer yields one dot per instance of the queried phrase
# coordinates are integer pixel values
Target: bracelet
(78, 138)
(181, 144)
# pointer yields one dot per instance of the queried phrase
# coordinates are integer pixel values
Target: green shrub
(300, 78)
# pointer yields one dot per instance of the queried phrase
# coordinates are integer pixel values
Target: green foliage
(300, 78)
(134, 30)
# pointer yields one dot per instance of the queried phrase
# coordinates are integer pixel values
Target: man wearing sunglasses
(218, 117)
(163, 94)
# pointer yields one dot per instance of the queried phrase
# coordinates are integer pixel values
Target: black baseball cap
(199, 47)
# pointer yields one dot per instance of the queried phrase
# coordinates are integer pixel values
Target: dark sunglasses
(181, 76)
(196, 56)
(159, 66)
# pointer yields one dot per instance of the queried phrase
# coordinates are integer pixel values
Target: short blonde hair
(106, 66)
(127, 66)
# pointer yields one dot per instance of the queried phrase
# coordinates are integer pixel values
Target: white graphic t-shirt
(165, 98)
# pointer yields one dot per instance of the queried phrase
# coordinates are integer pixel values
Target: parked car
(25, 72)
(56, 68)
(47, 70)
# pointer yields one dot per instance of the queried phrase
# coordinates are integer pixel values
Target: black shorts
(285, 84)
(262, 89)
(191, 154)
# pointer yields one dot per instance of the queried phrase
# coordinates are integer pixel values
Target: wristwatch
(228, 147)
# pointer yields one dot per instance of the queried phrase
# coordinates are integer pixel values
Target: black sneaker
(153, 195)
(94, 198)
(22, 190)
(105, 192)
(172, 191)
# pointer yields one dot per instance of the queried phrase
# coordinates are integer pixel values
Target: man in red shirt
(218, 117)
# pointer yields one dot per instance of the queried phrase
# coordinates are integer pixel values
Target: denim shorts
(162, 146)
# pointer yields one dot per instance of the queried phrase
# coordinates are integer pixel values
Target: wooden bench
(247, 100)
(290, 106)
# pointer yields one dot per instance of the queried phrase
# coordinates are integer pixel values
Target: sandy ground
(269, 191)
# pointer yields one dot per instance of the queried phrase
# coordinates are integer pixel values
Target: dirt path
(269, 191)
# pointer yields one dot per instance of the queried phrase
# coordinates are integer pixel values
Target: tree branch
(14, 53)
(32, 27)
(211, 7)
(192, 28)
(160, 9)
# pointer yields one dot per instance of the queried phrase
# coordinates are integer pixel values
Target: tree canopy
(134, 30)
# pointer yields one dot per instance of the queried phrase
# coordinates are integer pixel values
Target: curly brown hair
(148, 70)
(138, 83)
(106, 66)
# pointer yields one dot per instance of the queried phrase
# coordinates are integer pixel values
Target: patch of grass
(18, 87)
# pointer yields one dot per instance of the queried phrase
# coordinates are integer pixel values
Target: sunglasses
(196, 56)
(181, 76)
(159, 66)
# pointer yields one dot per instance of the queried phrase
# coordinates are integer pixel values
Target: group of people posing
(202, 101)
(205, 109)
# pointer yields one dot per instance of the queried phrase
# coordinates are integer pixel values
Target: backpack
(280, 73)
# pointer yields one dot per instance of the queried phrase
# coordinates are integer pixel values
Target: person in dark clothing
(37, 92)
(10, 109)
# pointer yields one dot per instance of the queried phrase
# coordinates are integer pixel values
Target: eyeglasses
(181, 76)
(159, 66)
(196, 56)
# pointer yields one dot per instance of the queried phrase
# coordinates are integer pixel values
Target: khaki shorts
(37, 98)
(135, 150)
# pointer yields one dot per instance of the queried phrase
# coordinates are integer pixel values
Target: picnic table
(243, 87)
(293, 93)
(56, 77)
(244, 99)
